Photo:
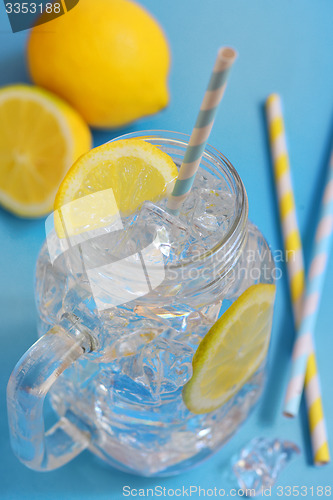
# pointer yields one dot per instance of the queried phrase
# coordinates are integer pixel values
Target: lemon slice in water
(232, 350)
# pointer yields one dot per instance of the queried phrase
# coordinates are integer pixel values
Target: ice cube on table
(260, 462)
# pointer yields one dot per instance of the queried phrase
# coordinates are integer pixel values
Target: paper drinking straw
(315, 283)
(215, 90)
(295, 266)
(316, 418)
(285, 195)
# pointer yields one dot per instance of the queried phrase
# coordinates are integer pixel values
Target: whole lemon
(108, 58)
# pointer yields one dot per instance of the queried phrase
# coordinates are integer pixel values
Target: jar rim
(225, 167)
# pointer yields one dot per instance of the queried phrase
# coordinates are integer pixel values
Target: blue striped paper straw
(315, 283)
(196, 146)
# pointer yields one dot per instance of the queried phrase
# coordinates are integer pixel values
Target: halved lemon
(232, 350)
(40, 138)
(134, 169)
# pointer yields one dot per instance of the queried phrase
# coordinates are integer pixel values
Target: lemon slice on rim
(232, 350)
(40, 138)
(134, 169)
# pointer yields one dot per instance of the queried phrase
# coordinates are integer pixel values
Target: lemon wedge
(40, 138)
(232, 350)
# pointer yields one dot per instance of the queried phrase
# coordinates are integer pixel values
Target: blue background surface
(284, 47)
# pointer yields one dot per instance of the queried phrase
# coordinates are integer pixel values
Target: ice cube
(255, 264)
(128, 264)
(50, 284)
(173, 234)
(215, 210)
(260, 462)
(162, 366)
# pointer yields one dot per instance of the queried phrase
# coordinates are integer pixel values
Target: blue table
(284, 47)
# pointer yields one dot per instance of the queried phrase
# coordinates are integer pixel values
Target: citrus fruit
(40, 138)
(135, 170)
(232, 350)
(108, 58)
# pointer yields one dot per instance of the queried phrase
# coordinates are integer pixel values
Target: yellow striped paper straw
(295, 266)
(314, 289)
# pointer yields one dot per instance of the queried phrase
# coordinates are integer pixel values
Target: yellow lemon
(40, 138)
(128, 171)
(108, 58)
(232, 350)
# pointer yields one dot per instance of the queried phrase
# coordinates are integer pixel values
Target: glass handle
(28, 385)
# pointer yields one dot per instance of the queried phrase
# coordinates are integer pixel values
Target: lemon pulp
(232, 350)
(40, 138)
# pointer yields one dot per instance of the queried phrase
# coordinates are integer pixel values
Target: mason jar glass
(116, 376)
